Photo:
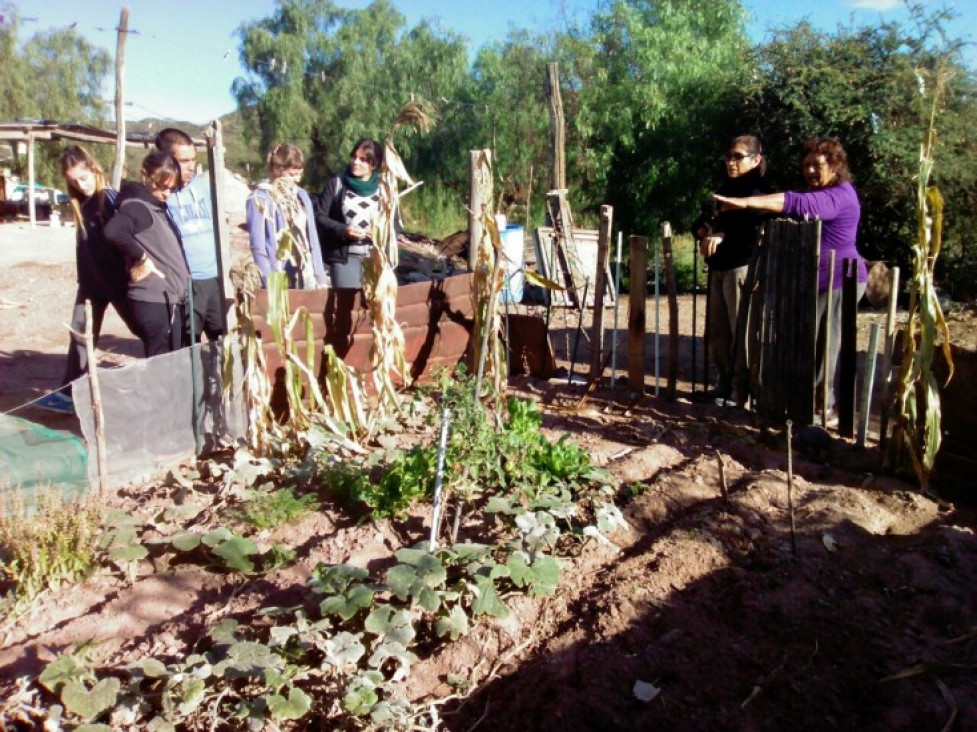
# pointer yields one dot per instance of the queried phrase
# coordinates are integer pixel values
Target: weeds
(269, 508)
(45, 544)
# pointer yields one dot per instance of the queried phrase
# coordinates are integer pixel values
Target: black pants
(208, 309)
(76, 361)
(162, 327)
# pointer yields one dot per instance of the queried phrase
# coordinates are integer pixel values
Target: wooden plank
(847, 358)
(781, 322)
(671, 290)
(601, 282)
(638, 260)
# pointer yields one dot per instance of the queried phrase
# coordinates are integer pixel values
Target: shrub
(45, 544)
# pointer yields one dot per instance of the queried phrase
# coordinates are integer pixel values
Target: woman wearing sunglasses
(726, 241)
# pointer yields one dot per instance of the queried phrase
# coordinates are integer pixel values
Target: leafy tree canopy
(68, 69)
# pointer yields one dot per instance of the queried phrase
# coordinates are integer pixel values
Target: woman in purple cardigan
(833, 200)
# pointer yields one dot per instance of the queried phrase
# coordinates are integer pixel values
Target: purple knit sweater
(839, 210)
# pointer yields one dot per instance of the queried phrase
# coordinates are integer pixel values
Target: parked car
(42, 194)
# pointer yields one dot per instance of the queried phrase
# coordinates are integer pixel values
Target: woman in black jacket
(345, 211)
(158, 272)
(101, 269)
(726, 241)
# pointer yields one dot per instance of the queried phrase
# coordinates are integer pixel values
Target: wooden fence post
(557, 131)
(672, 291)
(847, 357)
(600, 285)
(889, 338)
(120, 118)
(480, 196)
(636, 312)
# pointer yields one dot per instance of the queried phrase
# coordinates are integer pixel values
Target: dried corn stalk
(255, 385)
(487, 282)
(387, 356)
(917, 431)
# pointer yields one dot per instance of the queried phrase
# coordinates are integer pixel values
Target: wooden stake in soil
(672, 290)
(868, 381)
(638, 246)
(600, 284)
(439, 478)
(887, 348)
(96, 401)
(790, 483)
(847, 353)
(723, 488)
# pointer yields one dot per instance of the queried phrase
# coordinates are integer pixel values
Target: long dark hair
(372, 151)
(77, 155)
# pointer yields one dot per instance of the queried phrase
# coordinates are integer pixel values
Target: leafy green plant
(270, 507)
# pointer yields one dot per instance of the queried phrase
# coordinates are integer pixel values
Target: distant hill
(239, 157)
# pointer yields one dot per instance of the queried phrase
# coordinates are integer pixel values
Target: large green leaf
(63, 669)
(487, 600)
(90, 703)
(349, 603)
(296, 706)
(344, 649)
(235, 553)
(454, 624)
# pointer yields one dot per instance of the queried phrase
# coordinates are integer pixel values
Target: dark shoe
(56, 402)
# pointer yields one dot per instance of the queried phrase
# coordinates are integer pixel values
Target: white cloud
(878, 5)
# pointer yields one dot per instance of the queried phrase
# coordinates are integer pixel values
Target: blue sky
(182, 57)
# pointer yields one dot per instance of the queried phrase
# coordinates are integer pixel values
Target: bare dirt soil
(856, 613)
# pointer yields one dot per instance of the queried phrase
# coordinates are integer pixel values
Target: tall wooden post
(887, 348)
(120, 117)
(557, 128)
(222, 239)
(600, 286)
(847, 356)
(672, 290)
(31, 205)
(480, 177)
(636, 312)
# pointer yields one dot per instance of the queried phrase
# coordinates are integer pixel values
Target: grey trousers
(726, 346)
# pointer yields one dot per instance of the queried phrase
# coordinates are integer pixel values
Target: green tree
(656, 80)
(68, 68)
(866, 87)
(323, 77)
(500, 105)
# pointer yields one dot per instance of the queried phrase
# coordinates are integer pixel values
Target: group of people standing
(148, 250)
(326, 239)
(728, 235)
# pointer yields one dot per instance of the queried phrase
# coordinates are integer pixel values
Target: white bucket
(513, 249)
